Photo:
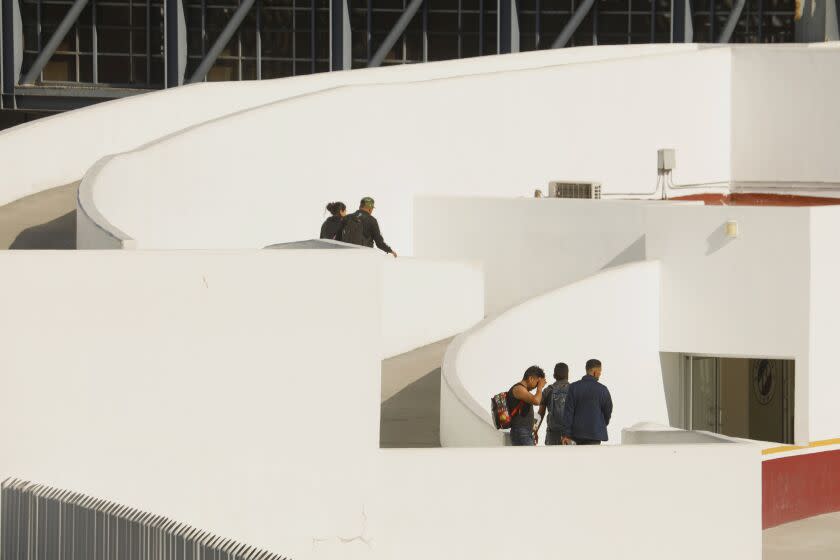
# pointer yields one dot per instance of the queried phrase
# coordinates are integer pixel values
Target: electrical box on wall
(666, 159)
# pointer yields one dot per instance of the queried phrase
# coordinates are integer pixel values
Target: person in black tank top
(521, 399)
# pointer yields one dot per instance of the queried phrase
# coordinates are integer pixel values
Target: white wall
(195, 385)
(760, 295)
(744, 297)
(226, 183)
(425, 300)
(824, 382)
(77, 139)
(783, 125)
(530, 246)
(612, 316)
(422, 300)
(646, 501)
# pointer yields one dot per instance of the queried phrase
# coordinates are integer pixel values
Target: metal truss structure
(61, 54)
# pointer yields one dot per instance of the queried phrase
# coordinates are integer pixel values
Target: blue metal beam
(682, 30)
(734, 16)
(833, 33)
(837, 19)
(340, 46)
(508, 27)
(395, 33)
(7, 49)
(175, 42)
(761, 20)
(220, 44)
(653, 21)
(572, 25)
(57, 37)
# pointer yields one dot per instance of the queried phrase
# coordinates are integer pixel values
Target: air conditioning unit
(561, 189)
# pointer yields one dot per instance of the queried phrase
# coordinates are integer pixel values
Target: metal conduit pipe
(660, 184)
(572, 25)
(222, 41)
(729, 28)
(395, 33)
(57, 37)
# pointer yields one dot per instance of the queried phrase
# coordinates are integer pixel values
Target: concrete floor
(410, 410)
(816, 538)
(46, 220)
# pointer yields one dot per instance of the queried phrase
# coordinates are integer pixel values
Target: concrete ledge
(93, 230)
(648, 433)
(315, 244)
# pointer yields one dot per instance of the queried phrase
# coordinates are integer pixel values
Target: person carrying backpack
(554, 401)
(521, 400)
(361, 228)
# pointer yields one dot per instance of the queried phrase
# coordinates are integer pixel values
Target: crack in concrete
(367, 541)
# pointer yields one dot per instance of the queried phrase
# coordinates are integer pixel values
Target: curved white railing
(612, 316)
(76, 139)
(93, 230)
(229, 182)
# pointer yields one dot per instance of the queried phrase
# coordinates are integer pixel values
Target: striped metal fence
(39, 522)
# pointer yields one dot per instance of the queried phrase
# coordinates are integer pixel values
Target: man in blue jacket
(588, 409)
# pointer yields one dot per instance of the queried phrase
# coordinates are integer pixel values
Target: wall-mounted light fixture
(731, 229)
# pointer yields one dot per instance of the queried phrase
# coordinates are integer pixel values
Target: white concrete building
(193, 374)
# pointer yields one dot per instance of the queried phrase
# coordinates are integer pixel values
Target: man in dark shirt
(554, 402)
(588, 409)
(521, 399)
(361, 228)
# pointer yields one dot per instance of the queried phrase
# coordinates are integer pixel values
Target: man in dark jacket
(588, 409)
(361, 228)
(554, 402)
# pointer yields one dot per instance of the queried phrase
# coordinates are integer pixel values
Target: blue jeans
(552, 438)
(521, 435)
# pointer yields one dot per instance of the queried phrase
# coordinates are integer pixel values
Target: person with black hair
(588, 408)
(331, 228)
(554, 401)
(522, 423)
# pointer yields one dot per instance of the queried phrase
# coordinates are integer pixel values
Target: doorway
(740, 397)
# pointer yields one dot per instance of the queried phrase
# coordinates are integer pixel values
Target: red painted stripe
(760, 199)
(799, 486)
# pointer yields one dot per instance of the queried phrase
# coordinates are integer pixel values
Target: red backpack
(501, 415)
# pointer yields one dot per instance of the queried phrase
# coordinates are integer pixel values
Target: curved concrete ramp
(410, 410)
(45, 220)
